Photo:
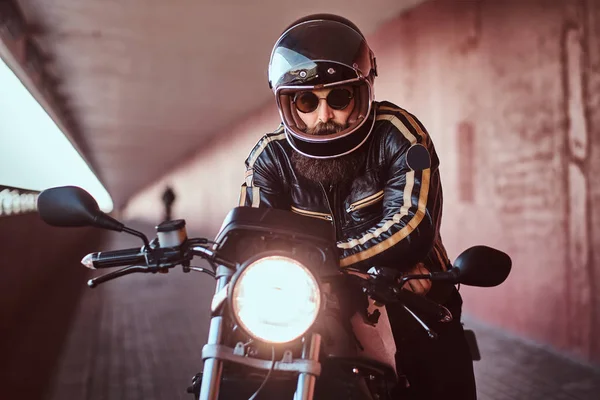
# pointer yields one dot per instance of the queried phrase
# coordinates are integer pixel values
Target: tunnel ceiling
(149, 82)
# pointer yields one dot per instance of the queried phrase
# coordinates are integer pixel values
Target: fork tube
(306, 382)
(211, 374)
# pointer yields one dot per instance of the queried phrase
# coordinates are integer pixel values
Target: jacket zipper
(367, 201)
(313, 214)
(330, 208)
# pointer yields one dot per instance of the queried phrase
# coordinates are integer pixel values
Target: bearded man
(370, 168)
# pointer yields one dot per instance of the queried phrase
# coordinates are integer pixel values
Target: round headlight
(275, 299)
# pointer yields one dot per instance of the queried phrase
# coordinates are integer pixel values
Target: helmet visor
(319, 52)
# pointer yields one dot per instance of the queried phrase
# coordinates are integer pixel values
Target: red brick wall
(510, 92)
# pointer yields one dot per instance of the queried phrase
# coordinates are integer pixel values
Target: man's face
(326, 119)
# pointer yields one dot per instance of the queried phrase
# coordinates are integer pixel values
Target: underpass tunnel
(509, 93)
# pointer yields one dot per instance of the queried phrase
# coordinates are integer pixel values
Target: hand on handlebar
(418, 286)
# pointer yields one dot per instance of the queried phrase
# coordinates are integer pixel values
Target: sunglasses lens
(306, 102)
(338, 99)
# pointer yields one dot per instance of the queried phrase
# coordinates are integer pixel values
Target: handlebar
(115, 258)
(152, 258)
(383, 286)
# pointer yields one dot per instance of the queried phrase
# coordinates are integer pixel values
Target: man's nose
(325, 112)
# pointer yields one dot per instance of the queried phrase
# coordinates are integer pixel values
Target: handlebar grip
(115, 258)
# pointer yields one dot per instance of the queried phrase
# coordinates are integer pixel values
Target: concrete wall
(510, 92)
(40, 284)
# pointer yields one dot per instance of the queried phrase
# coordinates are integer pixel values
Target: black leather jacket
(388, 215)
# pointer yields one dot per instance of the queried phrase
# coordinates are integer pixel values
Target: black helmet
(321, 51)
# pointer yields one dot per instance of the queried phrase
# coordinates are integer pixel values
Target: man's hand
(418, 286)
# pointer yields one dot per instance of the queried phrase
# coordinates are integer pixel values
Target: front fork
(306, 382)
(213, 367)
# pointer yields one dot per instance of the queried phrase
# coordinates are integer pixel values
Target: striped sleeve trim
(413, 133)
(407, 201)
(396, 237)
(412, 130)
(255, 197)
(279, 134)
(242, 199)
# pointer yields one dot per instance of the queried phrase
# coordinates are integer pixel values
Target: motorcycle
(286, 322)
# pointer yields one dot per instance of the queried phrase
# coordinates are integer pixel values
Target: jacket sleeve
(411, 203)
(263, 185)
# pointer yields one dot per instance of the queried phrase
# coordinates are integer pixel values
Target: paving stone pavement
(140, 337)
(514, 368)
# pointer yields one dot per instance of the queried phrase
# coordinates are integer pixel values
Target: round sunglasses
(338, 99)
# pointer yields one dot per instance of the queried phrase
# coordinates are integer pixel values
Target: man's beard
(332, 170)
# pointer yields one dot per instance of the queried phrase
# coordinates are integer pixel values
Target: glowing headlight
(276, 299)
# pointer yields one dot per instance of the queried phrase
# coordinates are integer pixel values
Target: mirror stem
(452, 275)
(138, 234)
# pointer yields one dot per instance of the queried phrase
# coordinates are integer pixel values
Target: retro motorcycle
(286, 322)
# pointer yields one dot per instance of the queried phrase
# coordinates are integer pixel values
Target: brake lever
(384, 285)
(423, 305)
(430, 333)
(388, 289)
(117, 274)
(199, 269)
